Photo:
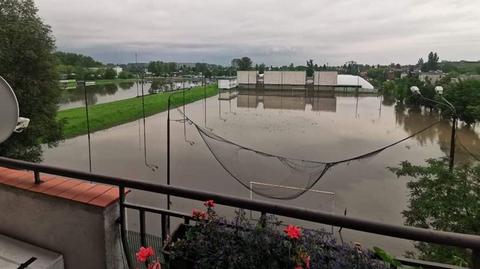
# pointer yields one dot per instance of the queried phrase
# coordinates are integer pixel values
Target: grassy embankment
(113, 81)
(103, 116)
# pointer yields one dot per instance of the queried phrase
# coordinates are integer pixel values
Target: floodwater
(298, 124)
(98, 94)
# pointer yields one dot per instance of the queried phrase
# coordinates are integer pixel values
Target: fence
(411, 233)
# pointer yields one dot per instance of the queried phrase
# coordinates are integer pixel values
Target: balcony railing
(404, 232)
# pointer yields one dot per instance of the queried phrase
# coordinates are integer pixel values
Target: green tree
(465, 97)
(125, 75)
(67, 58)
(420, 63)
(443, 200)
(310, 68)
(28, 64)
(245, 64)
(109, 73)
(432, 62)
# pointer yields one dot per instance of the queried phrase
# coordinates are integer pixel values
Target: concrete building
(227, 83)
(325, 78)
(118, 70)
(358, 82)
(432, 77)
(247, 77)
(285, 78)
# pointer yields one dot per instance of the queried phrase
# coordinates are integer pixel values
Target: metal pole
(452, 142)
(476, 258)
(88, 128)
(205, 99)
(38, 180)
(168, 164)
(143, 237)
(136, 69)
(123, 225)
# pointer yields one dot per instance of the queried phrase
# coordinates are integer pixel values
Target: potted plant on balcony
(214, 242)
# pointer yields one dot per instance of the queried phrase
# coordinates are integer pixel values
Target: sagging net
(249, 166)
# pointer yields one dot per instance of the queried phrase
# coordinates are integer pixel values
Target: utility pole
(452, 142)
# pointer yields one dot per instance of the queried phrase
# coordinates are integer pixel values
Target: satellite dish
(9, 115)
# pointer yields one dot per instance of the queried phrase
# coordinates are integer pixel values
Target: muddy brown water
(298, 124)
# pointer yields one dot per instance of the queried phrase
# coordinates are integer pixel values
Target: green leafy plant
(443, 200)
(387, 258)
(214, 242)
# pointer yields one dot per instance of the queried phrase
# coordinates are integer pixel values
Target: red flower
(197, 214)
(144, 253)
(298, 267)
(209, 204)
(292, 231)
(155, 265)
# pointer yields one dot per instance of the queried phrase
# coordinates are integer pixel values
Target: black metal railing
(404, 232)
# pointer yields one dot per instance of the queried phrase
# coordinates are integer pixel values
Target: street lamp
(439, 91)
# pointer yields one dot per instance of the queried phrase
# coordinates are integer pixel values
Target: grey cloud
(274, 32)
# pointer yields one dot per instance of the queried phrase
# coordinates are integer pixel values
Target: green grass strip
(103, 116)
(114, 81)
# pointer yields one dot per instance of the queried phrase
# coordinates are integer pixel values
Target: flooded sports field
(310, 125)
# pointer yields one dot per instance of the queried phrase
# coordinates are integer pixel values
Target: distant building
(390, 75)
(433, 77)
(227, 83)
(325, 78)
(118, 70)
(285, 78)
(247, 77)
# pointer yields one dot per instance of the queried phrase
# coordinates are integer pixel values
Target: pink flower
(144, 253)
(155, 265)
(307, 262)
(293, 231)
(209, 204)
(298, 267)
(197, 214)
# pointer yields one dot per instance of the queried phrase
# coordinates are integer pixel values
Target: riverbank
(114, 81)
(103, 116)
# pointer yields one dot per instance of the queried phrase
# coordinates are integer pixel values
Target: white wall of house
(432, 77)
(227, 83)
(325, 78)
(285, 78)
(247, 77)
(272, 78)
(118, 69)
(294, 77)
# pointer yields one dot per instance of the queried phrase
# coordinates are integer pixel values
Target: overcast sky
(273, 32)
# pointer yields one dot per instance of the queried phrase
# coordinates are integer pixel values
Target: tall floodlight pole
(136, 69)
(88, 125)
(439, 91)
(168, 150)
(205, 98)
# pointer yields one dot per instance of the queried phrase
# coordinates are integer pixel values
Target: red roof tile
(71, 189)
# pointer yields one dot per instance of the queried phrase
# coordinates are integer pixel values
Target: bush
(213, 242)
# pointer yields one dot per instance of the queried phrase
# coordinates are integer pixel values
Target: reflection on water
(291, 99)
(97, 94)
(299, 124)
